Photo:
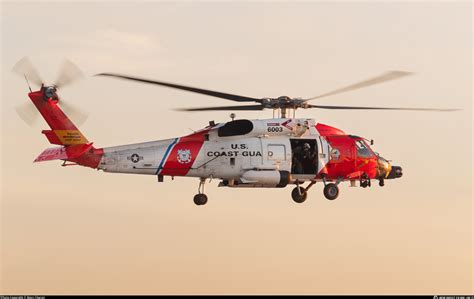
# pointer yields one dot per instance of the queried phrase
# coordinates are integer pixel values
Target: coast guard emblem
(184, 156)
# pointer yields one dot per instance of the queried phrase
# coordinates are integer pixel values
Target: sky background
(68, 230)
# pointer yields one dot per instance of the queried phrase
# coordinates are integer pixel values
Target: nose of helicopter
(395, 173)
(387, 171)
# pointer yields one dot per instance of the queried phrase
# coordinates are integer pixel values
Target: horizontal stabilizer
(63, 152)
(52, 153)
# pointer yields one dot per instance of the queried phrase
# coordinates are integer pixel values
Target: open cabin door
(304, 156)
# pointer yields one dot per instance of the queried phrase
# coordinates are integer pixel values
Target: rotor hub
(284, 102)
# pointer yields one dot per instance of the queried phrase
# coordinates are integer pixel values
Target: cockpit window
(362, 149)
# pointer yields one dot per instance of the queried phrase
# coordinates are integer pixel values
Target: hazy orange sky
(72, 230)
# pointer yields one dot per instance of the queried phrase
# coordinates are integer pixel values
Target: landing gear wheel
(331, 191)
(200, 199)
(299, 196)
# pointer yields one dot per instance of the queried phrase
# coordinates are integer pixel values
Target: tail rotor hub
(50, 93)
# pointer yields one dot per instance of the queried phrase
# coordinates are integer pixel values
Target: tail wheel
(200, 199)
(331, 191)
(300, 195)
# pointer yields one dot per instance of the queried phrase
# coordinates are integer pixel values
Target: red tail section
(63, 131)
(74, 146)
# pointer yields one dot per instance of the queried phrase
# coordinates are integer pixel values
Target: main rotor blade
(251, 107)
(217, 94)
(388, 76)
(379, 108)
(24, 67)
(68, 73)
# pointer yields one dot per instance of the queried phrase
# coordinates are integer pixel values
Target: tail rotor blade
(28, 113)
(24, 67)
(77, 115)
(68, 74)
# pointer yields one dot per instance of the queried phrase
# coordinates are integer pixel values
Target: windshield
(363, 149)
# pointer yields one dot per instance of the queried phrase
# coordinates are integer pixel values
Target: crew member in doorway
(303, 159)
(297, 161)
(309, 159)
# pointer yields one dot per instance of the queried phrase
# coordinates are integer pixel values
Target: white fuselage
(250, 152)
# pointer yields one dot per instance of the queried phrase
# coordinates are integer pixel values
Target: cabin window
(276, 152)
(235, 128)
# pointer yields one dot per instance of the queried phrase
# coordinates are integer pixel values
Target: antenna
(28, 83)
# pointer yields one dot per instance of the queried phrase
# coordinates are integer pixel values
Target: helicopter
(241, 153)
